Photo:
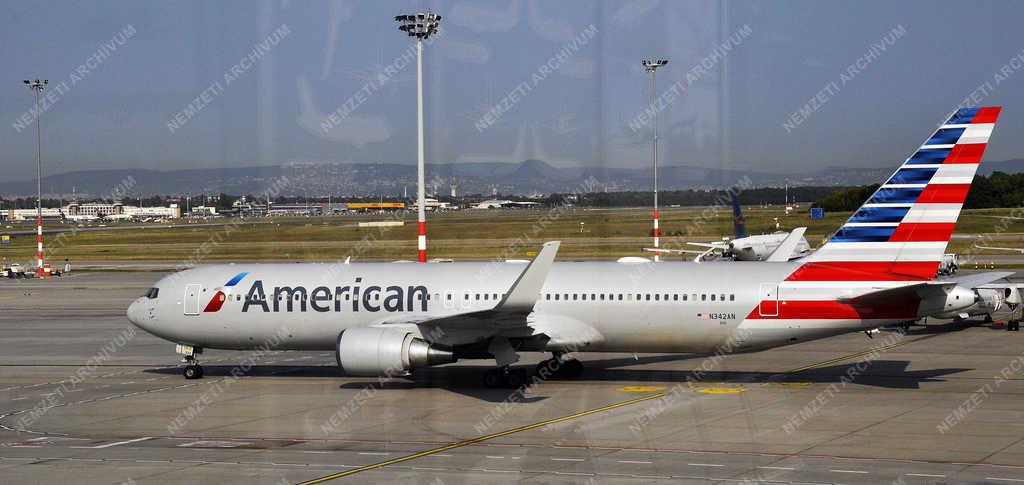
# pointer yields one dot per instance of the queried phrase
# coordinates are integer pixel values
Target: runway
(86, 398)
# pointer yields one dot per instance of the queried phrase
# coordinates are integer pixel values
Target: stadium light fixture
(37, 86)
(420, 26)
(651, 66)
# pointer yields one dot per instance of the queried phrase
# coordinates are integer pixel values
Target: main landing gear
(505, 377)
(559, 367)
(192, 368)
(556, 367)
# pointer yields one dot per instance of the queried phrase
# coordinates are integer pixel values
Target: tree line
(997, 190)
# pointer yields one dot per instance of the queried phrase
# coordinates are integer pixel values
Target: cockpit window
(152, 293)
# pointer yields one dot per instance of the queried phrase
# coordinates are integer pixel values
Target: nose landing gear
(193, 371)
(192, 368)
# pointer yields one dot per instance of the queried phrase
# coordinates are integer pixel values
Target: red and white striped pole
(421, 213)
(36, 86)
(421, 26)
(651, 66)
(657, 238)
(39, 236)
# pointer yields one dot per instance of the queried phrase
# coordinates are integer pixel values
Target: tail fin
(901, 232)
(739, 225)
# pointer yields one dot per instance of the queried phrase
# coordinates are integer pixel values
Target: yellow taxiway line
(519, 429)
(481, 439)
(859, 354)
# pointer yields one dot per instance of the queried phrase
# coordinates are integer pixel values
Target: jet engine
(749, 251)
(382, 351)
(958, 298)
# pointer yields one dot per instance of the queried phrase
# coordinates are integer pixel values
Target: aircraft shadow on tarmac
(466, 379)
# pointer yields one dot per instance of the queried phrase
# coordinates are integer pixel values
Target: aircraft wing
(975, 280)
(676, 251)
(510, 312)
(707, 245)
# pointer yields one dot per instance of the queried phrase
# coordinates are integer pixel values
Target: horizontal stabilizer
(895, 293)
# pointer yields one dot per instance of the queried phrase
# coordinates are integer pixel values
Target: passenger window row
(675, 297)
(639, 297)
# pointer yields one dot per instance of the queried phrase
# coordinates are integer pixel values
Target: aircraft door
(768, 305)
(192, 299)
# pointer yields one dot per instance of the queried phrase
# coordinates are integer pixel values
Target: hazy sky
(912, 63)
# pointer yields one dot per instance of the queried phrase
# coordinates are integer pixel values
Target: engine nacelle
(959, 298)
(1012, 295)
(749, 251)
(382, 351)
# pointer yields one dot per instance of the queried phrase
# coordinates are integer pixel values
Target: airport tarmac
(86, 398)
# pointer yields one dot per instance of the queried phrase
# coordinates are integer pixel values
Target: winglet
(526, 290)
(785, 250)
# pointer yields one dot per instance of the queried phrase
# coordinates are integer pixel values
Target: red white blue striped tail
(901, 232)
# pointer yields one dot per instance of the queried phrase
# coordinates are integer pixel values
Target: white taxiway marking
(1004, 479)
(496, 457)
(567, 459)
(704, 464)
(378, 453)
(777, 467)
(636, 462)
(214, 444)
(119, 443)
(847, 471)
(924, 475)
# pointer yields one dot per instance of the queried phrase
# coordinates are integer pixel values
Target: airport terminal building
(95, 210)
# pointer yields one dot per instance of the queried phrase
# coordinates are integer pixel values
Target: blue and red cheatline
(221, 295)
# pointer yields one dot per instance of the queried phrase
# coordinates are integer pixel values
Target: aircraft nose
(135, 312)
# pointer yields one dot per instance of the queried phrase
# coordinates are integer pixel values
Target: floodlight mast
(37, 85)
(651, 66)
(421, 26)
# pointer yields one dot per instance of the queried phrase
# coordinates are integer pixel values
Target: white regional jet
(390, 319)
(744, 247)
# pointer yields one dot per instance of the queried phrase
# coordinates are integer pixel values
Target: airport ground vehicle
(949, 264)
(15, 270)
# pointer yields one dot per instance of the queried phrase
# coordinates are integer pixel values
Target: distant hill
(1008, 166)
(529, 177)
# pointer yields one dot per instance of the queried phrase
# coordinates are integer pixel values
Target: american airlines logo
(353, 297)
(221, 294)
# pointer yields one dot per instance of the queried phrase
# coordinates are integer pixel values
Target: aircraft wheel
(551, 369)
(493, 378)
(988, 318)
(572, 368)
(515, 378)
(193, 372)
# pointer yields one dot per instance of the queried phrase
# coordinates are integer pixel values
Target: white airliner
(743, 247)
(390, 319)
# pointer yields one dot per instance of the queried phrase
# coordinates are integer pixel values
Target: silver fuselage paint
(633, 323)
